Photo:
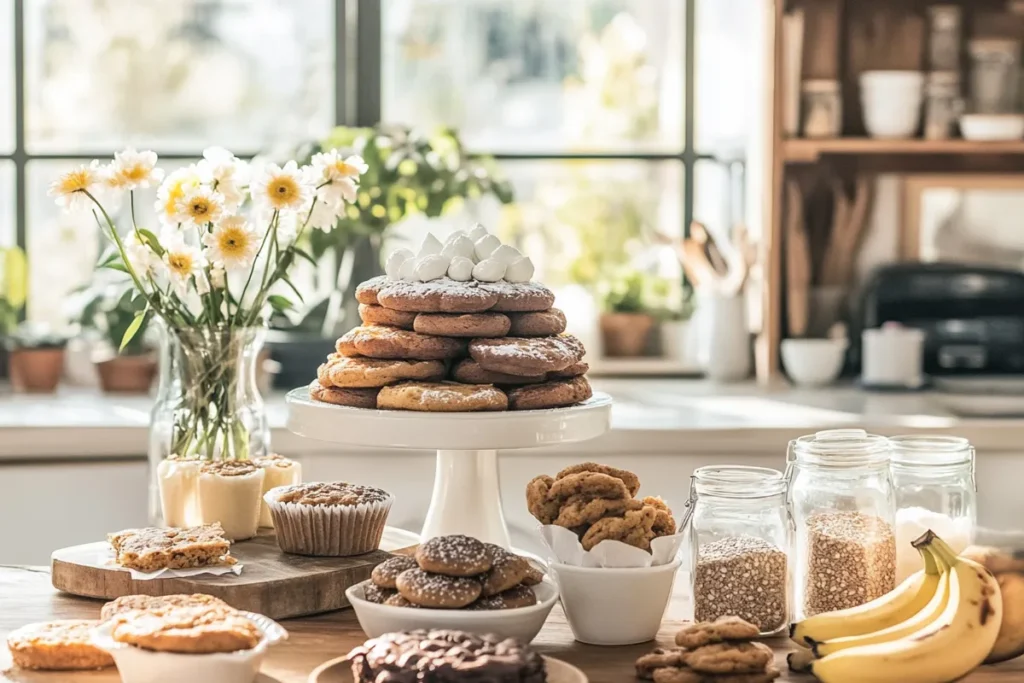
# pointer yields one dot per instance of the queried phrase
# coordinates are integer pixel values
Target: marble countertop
(649, 416)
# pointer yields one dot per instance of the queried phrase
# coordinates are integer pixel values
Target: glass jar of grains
(935, 489)
(740, 534)
(841, 496)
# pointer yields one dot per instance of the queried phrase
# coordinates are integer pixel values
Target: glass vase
(208, 406)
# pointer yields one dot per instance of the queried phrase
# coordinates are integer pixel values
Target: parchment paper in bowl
(564, 547)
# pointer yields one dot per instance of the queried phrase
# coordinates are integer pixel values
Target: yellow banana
(909, 598)
(945, 649)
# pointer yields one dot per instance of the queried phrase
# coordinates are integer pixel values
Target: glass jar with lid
(740, 537)
(935, 489)
(841, 499)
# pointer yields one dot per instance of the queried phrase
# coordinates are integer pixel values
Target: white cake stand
(467, 494)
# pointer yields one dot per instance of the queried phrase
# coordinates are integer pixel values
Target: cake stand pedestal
(467, 491)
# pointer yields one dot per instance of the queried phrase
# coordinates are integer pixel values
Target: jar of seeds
(740, 533)
(841, 497)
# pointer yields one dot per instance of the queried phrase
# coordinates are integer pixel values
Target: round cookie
(588, 484)
(352, 398)
(366, 292)
(437, 590)
(658, 658)
(362, 373)
(581, 510)
(534, 574)
(526, 355)
(519, 297)
(507, 571)
(441, 397)
(397, 600)
(379, 341)
(462, 324)
(519, 596)
(574, 370)
(437, 296)
(129, 603)
(63, 645)
(557, 394)
(633, 528)
(539, 503)
(730, 658)
(489, 603)
(455, 555)
(372, 314)
(468, 371)
(628, 478)
(385, 573)
(722, 629)
(537, 324)
(376, 594)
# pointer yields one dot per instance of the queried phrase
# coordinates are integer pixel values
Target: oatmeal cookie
(364, 373)
(397, 600)
(519, 297)
(574, 370)
(376, 594)
(518, 596)
(538, 502)
(720, 630)
(366, 292)
(664, 522)
(128, 603)
(437, 296)
(455, 555)
(527, 355)
(687, 675)
(442, 397)
(437, 590)
(589, 484)
(658, 659)
(64, 645)
(468, 371)
(463, 324)
(187, 630)
(537, 324)
(583, 510)
(633, 528)
(730, 658)
(379, 341)
(628, 478)
(385, 573)
(371, 314)
(507, 571)
(352, 398)
(557, 394)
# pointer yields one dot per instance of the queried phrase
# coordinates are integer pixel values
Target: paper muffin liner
(328, 530)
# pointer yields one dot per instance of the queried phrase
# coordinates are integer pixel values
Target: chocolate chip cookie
(718, 631)
(592, 484)
(628, 478)
(455, 555)
(659, 658)
(437, 590)
(730, 658)
(380, 341)
(539, 503)
(687, 675)
(463, 324)
(580, 510)
(633, 528)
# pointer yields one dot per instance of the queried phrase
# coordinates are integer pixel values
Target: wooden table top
(26, 596)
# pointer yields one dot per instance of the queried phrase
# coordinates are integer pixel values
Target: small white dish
(340, 671)
(522, 623)
(992, 127)
(813, 362)
(136, 665)
(606, 606)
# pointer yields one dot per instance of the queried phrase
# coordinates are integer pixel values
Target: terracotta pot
(36, 370)
(624, 335)
(127, 374)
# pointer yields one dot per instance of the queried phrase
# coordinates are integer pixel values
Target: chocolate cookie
(462, 324)
(491, 602)
(398, 600)
(720, 630)
(437, 296)
(441, 397)
(346, 372)
(507, 571)
(366, 292)
(574, 370)
(628, 478)
(537, 324)
(518, 596)
(385, 573)
(730, 658)
(534, 574)
(658, 658)
(633, 528)
(469, 371)
(526, 355)
(558, 394)
(377, 594)
(437, 590)
(519, 297)
(379, 341)
(353, 398)
(378, 315)
(455, 555)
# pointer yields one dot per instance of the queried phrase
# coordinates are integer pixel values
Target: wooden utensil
(695, 259)
(700, 234)
(798, 273)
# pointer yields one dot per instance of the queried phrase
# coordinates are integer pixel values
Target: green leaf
(14, 269)
(133, 328)
(304, 255)
(117, 265)
(280, 303)
(288, 282)
(151, 240)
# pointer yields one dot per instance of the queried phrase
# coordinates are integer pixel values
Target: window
(615, 119)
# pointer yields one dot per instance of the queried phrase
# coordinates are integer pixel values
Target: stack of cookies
(712, 652)
(455, 572)
(451, 345)
(599, 503)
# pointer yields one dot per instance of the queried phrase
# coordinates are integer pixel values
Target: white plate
(522, 623)
(981, 405)
(339, 671)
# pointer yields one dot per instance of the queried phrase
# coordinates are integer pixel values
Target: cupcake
(277, 471)
(333, 519)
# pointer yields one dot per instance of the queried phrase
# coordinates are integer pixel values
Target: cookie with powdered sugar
(527, 355)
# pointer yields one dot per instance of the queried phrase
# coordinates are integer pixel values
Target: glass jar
(740, 536)
(935, 489)
(822, 105)
(944, 29)
(995, 73)
(943, 104)
(207, 407)
(841, 498)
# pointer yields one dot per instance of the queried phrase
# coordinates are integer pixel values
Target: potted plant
(35, 358)
(106, 309)
(626, 321)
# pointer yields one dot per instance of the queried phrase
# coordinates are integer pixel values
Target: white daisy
(141, 258)
(325, 215)
(132, 170)
(225, 173)
(70, 188)
(337, 177)
(182, 262)
(233, 244)
(200, 206)
(218, 277)
(174, 188)
(280, 189)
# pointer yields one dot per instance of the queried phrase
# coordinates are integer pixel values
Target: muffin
(277, 471)
(330, 519)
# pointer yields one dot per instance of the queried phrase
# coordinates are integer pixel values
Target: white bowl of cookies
(455, 582)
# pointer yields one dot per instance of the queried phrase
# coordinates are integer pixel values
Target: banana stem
(931, 566)
(939, 549)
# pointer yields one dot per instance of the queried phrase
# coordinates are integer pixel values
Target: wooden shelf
(798, 150)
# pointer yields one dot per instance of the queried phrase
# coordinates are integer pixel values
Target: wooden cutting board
(271, 582)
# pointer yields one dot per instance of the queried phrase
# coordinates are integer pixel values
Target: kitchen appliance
(972, 316)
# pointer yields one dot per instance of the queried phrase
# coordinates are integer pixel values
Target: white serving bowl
(992, 127)
(891, 101)
(136, 665)
(615, 606)
(813, 362)
(523, 623)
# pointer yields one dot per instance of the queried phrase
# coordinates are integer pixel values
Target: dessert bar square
(152, 549)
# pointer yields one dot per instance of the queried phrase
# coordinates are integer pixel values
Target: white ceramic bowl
(615, 606)
(992, 127)
(523, 623)
(813, 362)
(136, 665)
(891, 101)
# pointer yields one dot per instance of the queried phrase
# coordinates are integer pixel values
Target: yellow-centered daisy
(174, 188)
(132, 170)
(182, 262)
(70, 188)
(200, 206)
(233, 244)
(280, 189)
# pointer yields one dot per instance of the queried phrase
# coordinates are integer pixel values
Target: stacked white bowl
(892, 102)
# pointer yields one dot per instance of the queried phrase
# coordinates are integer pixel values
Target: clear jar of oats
(740, 535)
(841, 497)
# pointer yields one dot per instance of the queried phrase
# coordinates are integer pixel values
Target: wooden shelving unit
(801, 150)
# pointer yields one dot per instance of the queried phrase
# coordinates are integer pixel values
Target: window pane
(718, 195)
(7, 229)
(6, 76)
(177, 76)
(587, 75)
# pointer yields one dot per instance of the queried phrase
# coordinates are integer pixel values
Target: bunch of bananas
(938, 625)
